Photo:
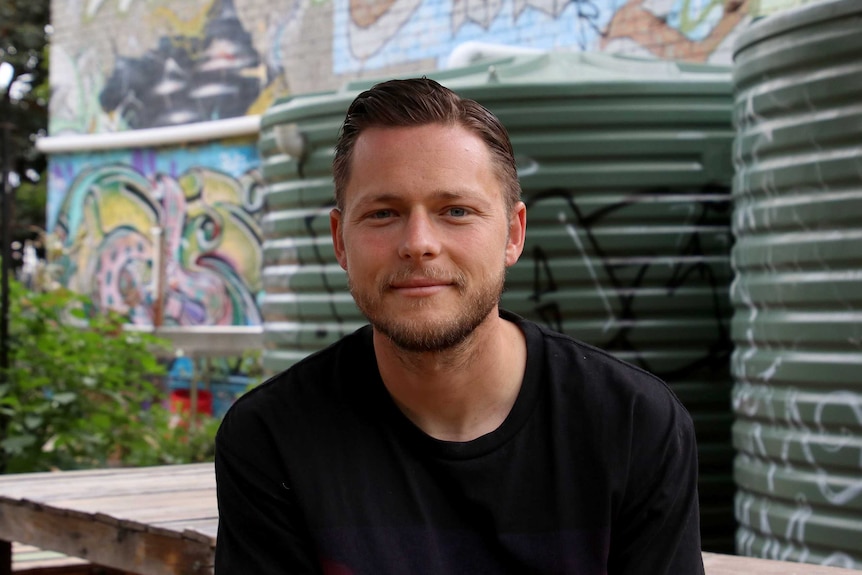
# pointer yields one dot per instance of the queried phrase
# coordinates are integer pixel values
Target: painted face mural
(110, 222)
(210, 73)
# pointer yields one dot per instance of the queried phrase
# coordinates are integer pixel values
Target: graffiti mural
(106, 208)
(371, 34)
(411, 30)
(689, 30)
(203, 65)
(636, 288)
(169, 63)
(189, 78)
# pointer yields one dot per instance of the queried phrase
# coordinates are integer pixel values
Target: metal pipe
(152, 137)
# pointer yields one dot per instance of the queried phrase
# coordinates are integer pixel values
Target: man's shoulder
(315, 402)
(315, 377)
(577, 366)
(565, 350)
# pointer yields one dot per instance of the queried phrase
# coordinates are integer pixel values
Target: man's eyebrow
(444, 194)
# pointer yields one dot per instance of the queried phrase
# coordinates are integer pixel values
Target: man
(449, 436)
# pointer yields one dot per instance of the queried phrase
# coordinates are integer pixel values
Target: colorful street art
(203, 75)
(105, 208)
(197, 66)
(373, 34)
(170, 64)
(690, 30)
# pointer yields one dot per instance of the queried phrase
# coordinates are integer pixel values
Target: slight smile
(419, 287)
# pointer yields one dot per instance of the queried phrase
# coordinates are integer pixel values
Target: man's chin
(428, 333)
(426, 341)
(436, 323)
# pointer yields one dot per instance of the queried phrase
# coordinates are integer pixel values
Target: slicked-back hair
(419, 102)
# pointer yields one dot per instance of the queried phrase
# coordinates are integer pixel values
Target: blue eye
(381, 214)
(457, 212)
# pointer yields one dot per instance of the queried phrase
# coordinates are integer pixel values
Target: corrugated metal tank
(797, 325)
(625, 166)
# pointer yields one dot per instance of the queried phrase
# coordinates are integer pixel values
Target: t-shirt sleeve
(261, 529)
(656, 530)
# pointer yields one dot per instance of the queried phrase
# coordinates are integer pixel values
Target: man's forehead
(433, 136)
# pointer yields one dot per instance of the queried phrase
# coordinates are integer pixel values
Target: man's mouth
(419, 287)
(415, 283)
(422, 282)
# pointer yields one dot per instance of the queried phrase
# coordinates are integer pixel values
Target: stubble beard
(423, 336)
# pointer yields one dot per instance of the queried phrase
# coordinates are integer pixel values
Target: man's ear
(335, 221)
(517, 233)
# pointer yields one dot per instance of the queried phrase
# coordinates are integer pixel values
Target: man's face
(424, 235)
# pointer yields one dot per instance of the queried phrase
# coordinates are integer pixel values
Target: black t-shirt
(593, 471)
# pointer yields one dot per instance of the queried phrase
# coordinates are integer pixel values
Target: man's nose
(420, 240)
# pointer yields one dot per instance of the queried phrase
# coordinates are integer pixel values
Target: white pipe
(152, 137)
(470, 52)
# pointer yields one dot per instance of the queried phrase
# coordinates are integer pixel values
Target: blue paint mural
(374, 34)
(412, 30)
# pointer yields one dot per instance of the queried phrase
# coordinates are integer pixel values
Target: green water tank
(626, 170)
(797, 294)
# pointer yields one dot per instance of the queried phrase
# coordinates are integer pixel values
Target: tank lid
(525, 77)
(586, 69)
(799, 17)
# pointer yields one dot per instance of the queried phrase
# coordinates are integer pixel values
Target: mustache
(430, 272)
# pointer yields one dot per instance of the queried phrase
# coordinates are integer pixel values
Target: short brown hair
(418, 102)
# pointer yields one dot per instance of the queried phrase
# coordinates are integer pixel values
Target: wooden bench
(149, 521)
(163, 521)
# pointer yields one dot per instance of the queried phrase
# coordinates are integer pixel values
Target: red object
(181, 401)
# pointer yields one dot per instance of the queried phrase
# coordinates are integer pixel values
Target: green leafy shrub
(81, 392)
(173, 440)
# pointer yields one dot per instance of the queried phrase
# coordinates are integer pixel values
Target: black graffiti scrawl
(637, 285)
(189, 79)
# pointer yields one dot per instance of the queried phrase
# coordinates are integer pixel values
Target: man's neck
(461, 393)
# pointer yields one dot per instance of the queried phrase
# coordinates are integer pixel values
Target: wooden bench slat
(59, 487)
(716, 564)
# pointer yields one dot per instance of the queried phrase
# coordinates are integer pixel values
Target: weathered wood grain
(141, 520)
(111, 545)
(45, 487)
